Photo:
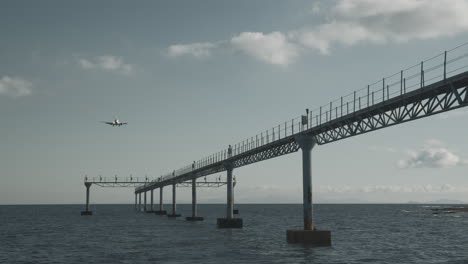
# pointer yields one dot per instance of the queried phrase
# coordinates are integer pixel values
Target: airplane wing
(109, 123)
(124, 123)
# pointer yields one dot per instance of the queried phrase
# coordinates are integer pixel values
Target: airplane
(116, 122)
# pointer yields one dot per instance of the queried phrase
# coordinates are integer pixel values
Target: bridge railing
(431, 70)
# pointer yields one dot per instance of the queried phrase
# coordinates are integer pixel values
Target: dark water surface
(119, 234)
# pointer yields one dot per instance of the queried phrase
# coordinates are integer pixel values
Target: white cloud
(432, 155)
(273, 48)
(380, 21)
(107, 63)
(349, 22)
(15, 87)
(197, 50)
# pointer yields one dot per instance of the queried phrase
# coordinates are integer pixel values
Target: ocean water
(119, 234)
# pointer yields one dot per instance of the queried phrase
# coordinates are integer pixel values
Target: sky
(192, 77)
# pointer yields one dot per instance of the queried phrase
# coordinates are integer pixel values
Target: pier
(433, 86)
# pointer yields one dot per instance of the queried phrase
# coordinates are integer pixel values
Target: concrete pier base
(160, 212)
(86, 212)
(229, 223)
(194, 218)
(173, 215)
(319, 238)
(235, 211)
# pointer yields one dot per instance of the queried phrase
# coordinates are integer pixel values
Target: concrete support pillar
(139, 201)
(136, 203)
(194, 197)
(87, 212)
(144, 207)
(309, 235)
(229, 221)
(230, 198)
(152, 200)
(173, 202)
(234, 210)
(87, 196)
(194, 216)
(306, 144)
(161, 204)
(173, 198)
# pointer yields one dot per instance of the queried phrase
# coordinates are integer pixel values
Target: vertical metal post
(359, 102)
(383, 89)
(445, 65)
(173, 198)
(307, 143)
(404, 85)
(354, 101)
(388, 92)
(421, 82)
(347, 108)
(136, 203)
(330, 111)
(401, 82)
(372, 97)
(320, 115)
(161, 203)
(292, 126)
(341, 105)
(194, 197)
(368, 95)
(152, 200)
(144, 207)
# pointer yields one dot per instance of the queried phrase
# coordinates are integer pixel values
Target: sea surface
(120, 234)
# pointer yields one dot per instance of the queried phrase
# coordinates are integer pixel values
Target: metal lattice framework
(434, 99)
(117, 182)
(267, 152)
(433, 86)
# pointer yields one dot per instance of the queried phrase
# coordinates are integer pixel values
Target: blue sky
(192, 77)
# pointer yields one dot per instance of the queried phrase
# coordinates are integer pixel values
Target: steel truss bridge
(436, 85)
(407, 98)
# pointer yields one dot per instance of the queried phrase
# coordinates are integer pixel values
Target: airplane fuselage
(115, 122)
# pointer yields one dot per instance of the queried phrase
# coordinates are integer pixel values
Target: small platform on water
(450, 210)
